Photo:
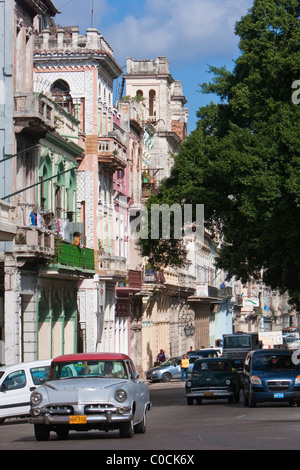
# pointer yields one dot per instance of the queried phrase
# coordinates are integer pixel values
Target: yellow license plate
(208, 394)
(77, 419)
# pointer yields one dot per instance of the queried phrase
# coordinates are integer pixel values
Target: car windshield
(290, 339)
(274, 362)
(170, 361)
(237, 342)
(88, 369)
(212, 366)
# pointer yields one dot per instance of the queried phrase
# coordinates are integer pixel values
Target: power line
(40, 182)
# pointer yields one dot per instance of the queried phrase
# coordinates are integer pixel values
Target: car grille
(207, 389)
(59, 409)
(278, 385)
(95, 408)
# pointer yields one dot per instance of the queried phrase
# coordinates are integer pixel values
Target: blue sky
(192, 34)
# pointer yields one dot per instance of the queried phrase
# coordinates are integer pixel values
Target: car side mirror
(135, 376)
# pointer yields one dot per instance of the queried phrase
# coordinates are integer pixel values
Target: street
(175, 426)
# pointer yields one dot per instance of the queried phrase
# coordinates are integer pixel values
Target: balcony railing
(74, 256)
(34, 242)
(112, 265)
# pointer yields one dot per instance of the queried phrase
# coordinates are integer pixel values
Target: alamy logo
(161, 222)
(296, 94)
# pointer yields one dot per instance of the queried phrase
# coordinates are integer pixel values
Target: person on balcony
(77, 239)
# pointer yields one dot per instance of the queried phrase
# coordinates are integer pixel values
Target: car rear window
(212, 366)
(274, 362)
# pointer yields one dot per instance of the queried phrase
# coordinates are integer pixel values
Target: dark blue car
(271, 375)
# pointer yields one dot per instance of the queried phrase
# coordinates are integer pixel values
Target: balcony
(132, 284)
(207, 293)
(111, 154)
(34, 242)
(112, 267)
(74, 258)
(33, 113)
(8, 228)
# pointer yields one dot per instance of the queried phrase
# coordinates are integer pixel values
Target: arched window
(152, 111)
(61, 95)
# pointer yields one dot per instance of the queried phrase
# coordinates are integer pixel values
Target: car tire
(62, 431)
(41, 432)
(190, 401)
(2, 420)
(166, 377)
(252, 402)
(140, 428)
(127, 430)
(237, 397)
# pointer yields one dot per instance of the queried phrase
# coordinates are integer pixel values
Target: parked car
(169, 369)
(213, 378)
(206, 352)
(291, 342)
(16, 384)
(271, 375)
(90, 391)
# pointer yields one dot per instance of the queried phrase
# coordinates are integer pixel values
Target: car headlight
(227, 382)
(154, 372)
(297, 380)
(255, 380)
(188, 383)
(36, 398)
(120, 395)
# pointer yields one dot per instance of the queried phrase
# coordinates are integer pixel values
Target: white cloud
(179, 29)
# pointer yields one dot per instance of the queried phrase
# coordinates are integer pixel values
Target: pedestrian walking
(184, 364)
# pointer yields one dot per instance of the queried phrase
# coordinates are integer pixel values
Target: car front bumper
(275, 396)
(103, 416)
(211, 393)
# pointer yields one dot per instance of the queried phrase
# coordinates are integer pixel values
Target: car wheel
(166, 377)
(189, 401)
(42, 432)
(62, 432)
(252, 402)
(140, 428)
(237, 397)
(230, 400)
(127, 429)
(2, 420)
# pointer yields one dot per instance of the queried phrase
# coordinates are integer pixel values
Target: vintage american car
(90, 391)
(213, 378)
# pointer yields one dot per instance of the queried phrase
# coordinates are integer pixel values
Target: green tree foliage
(243, 160)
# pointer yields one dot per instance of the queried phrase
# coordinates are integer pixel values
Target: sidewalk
(175, 383)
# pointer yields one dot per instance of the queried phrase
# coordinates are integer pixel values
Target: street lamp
(189, 330)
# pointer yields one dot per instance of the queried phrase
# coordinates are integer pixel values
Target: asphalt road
(176, 427)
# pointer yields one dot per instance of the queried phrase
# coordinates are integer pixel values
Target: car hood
(76, 390)
(213, 378)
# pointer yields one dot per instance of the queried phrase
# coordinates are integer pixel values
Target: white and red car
(90, 391)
